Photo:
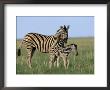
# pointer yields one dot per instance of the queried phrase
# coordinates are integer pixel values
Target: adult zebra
(43, 43)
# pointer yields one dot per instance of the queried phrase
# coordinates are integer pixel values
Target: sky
(80, 26)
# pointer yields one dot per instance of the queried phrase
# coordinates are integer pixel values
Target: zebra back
(66, 50)
(39, 41)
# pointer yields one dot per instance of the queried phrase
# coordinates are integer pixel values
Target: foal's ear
(75, 46)
(72, 46)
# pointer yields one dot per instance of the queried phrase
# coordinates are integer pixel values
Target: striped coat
(42, 43)
(56, 52)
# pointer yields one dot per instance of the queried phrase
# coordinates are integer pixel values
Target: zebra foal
(63, 52)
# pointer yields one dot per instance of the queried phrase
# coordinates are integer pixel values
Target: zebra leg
(55, 61)
(58, 61)
(51, 61)
(65, 62)
(30, 54)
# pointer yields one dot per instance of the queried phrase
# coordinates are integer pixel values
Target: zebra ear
(61, 27)
(64, 26)
(68, 27)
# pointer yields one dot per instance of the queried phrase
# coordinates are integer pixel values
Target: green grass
(81, 64)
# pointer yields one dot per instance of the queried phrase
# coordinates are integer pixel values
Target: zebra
(63, 52)
(42, 43)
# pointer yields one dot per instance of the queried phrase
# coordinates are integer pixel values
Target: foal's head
(74, 48)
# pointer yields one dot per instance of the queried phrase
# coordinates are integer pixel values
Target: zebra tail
(19, 49)
(19, 52)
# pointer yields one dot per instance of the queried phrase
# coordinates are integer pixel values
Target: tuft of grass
(81, 64)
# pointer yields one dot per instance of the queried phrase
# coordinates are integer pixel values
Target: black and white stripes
(43, 43)
(56, 52)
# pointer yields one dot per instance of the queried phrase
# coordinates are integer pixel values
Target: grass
(81, 64)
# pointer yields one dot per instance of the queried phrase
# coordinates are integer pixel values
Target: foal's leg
(66, 63)
(58, 61)
(55, 61)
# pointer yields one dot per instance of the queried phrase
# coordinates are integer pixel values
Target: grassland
(81, 64)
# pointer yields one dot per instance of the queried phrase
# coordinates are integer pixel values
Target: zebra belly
(44, 51)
